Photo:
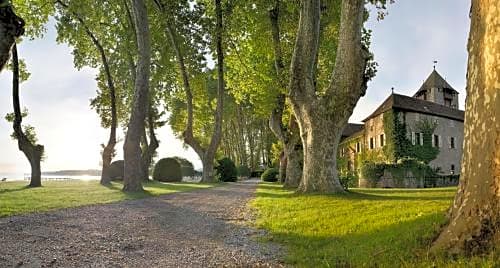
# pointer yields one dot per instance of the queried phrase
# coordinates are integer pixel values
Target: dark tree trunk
(33, 152)
(150, 149)
(132, 181)
(322, 117)
(291, 169)
(474, 218)
(11, 26)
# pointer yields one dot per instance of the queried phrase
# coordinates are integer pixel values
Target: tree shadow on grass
(393, 245)
(17, 189)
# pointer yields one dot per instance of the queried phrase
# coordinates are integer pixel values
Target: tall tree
(206, 152)
(11, 27)
(322, 113)
(109, 149)
(26, 138)
(474, 218)
(132, 181)
(291, 164)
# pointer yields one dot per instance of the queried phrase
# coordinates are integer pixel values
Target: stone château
(409, 127)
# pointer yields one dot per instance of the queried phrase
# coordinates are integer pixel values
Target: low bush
(116, 170)
(225, 170)
(349, 180)
(187, 167)
(270, 175)
(167, 170)
(243, 171)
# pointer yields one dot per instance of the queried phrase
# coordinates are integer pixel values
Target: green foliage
(425, 152)
(399, 146)
(363, 228)
(28, 130)
(243, 171)
(348, 180)
(187, 167)
(225, 170)
(116, 170)
(16, 199)
(270, 175)
(167, 170)
(374, 171)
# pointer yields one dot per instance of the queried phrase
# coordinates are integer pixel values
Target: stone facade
(436, 101)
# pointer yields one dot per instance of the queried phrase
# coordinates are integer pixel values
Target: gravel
(202, 228)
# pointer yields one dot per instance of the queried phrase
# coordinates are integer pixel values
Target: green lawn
(15, 198)
(367, 227)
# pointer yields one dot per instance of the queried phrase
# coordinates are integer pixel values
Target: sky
(405, 44)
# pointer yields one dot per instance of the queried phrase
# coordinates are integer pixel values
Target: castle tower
(436, 89)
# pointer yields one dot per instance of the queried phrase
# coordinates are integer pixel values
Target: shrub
(348, 180)
(243, 171)
(167, 170)
(270, 175)
(116, 170)
(187, 167)
(256, 173)
(225, 170)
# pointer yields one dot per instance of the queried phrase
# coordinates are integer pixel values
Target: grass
(16, 198)
(364, 228)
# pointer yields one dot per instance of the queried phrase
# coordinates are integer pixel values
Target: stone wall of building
(446, 128)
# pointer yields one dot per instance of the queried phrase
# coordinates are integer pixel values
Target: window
(382, 140)
(452, 169)
(358, 147)
(452, 142)
(436, 141)
(419, 138)
(372, 144)
(342, 152)
(447, 102)
(413, 138)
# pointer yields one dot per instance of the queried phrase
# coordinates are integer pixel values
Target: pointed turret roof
(435, 80)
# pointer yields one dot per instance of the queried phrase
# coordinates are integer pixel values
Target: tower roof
(435, 80)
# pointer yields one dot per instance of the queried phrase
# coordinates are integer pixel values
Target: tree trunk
(151, 147)
(109, 150)
(474, 218)
(294, 156)
(132, 149)
(33, 152)
(322, 117)
(282, 167)
(11, 26)
(207, 155)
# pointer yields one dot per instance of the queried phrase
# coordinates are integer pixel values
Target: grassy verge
(15, 198)
(364, 228)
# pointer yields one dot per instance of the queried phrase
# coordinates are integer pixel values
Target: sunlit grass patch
(16, 198)
(367, 227)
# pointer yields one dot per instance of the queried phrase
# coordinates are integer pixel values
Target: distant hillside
(88, 172)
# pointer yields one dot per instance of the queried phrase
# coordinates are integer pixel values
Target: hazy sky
(405, 43)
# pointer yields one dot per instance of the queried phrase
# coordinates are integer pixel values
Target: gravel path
(203, 228)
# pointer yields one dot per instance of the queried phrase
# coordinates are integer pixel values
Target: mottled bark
(322, 117)
(294, 156)
(33, 152)
(132, 181)
(474, 218)
(11, 26)
(207, 155)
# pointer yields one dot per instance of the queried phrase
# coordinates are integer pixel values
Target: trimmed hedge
(187, 167)
(270, 175)
(374, 171)
(225, 170)
(116, 170)
(167, 170)
(243, 171)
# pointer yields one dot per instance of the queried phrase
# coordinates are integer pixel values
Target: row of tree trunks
(33, 152)
(474, 218)
(132, 181)
(11, 27)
